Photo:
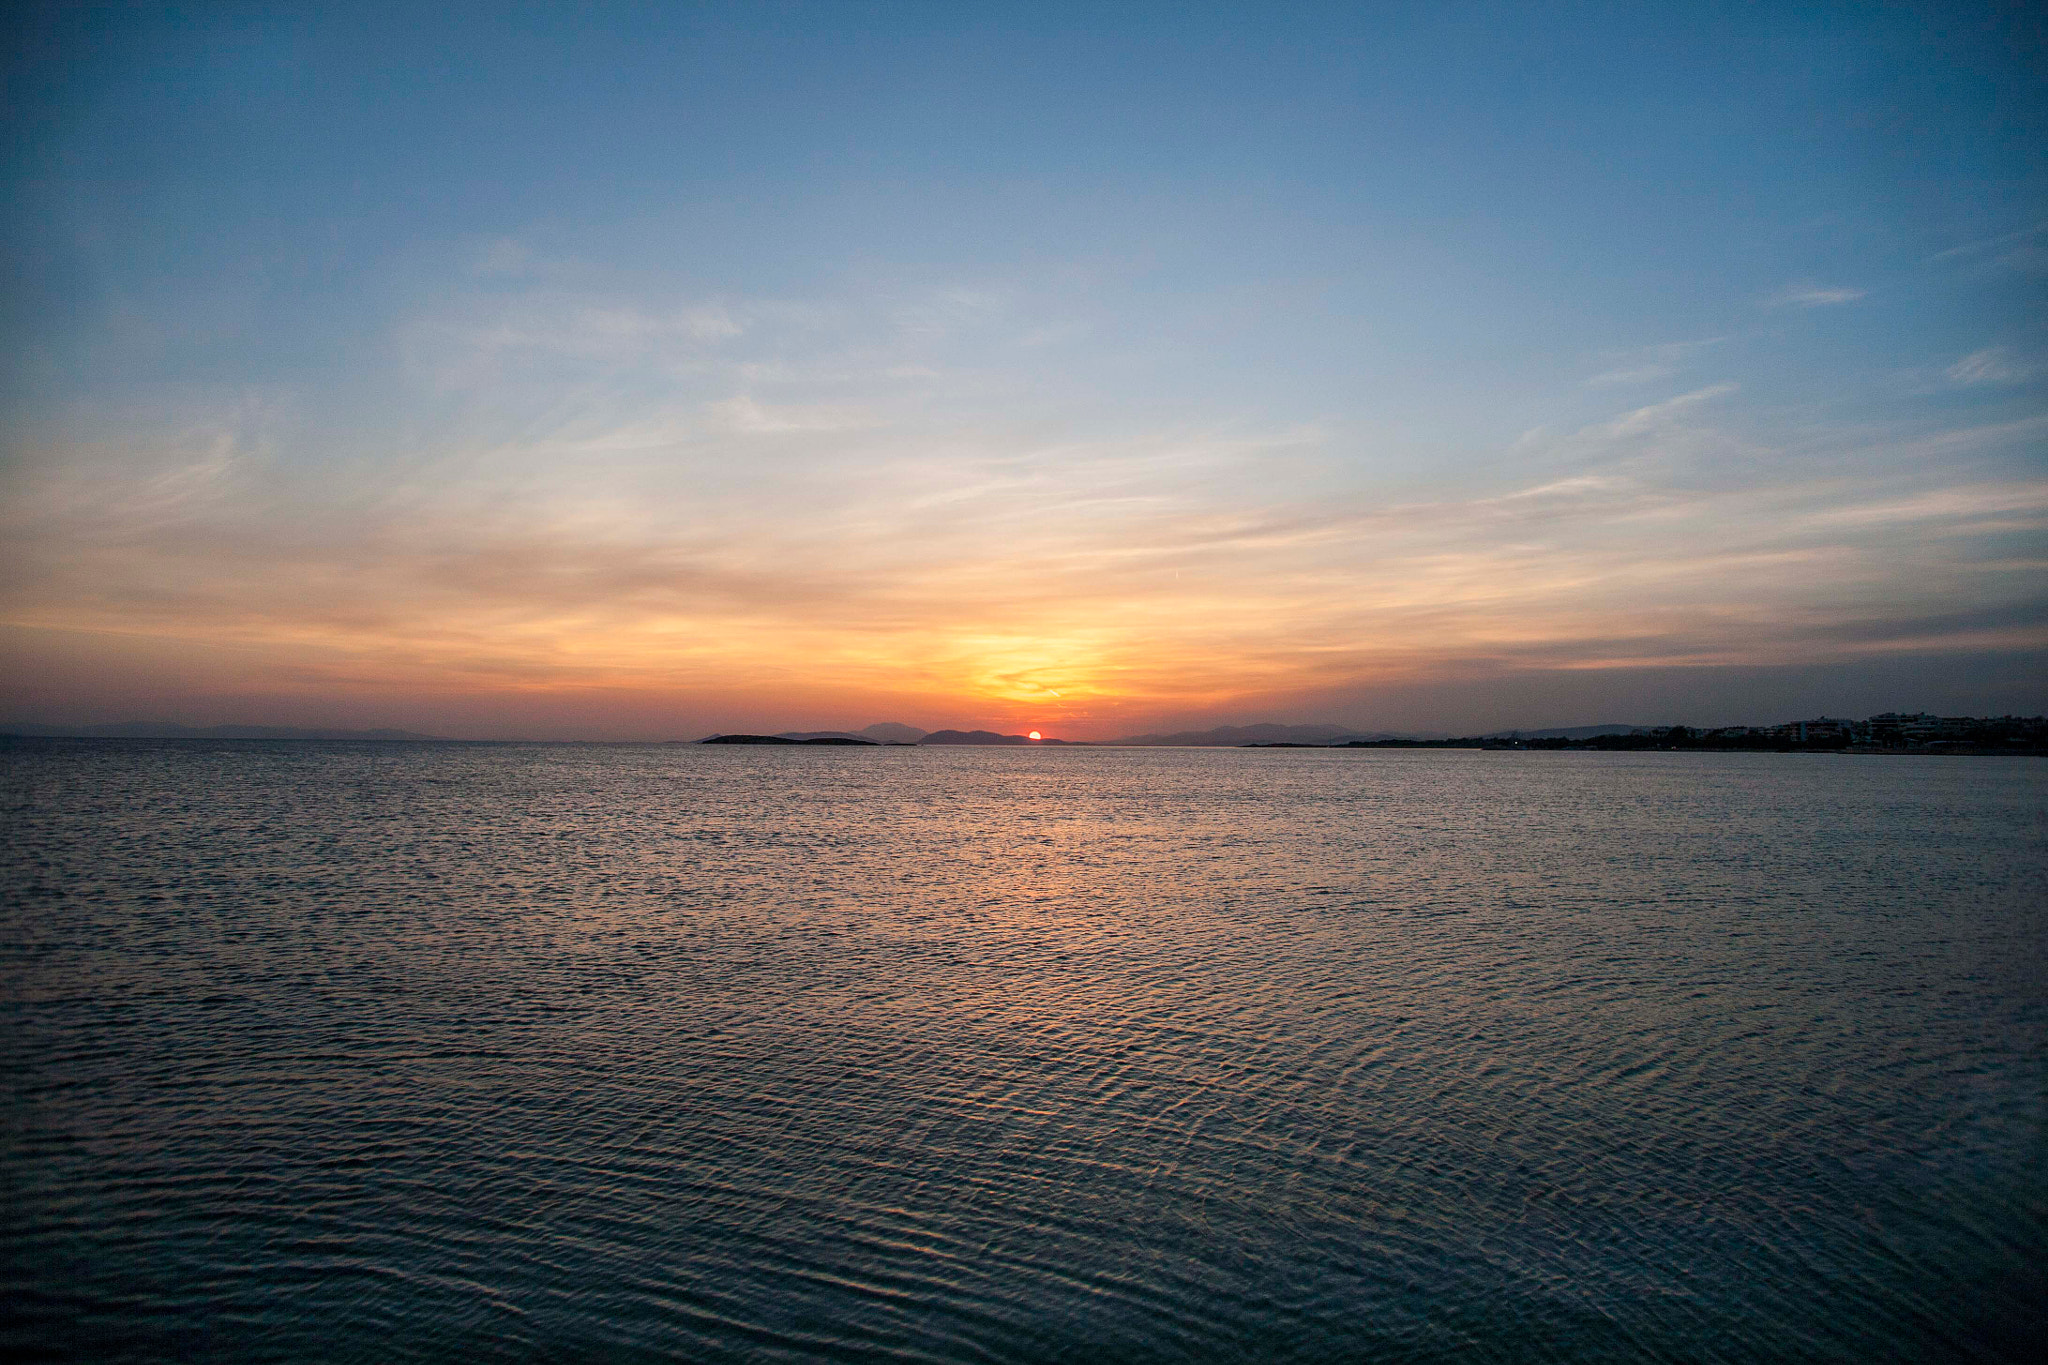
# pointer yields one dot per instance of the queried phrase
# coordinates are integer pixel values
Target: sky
(633, 371)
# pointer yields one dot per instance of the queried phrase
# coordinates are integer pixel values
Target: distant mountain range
(1224, 736)
(166, 730)
(884, 732)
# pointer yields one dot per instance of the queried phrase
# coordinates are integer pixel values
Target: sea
(499, 1052)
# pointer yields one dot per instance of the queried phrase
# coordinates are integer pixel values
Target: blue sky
(615, 370)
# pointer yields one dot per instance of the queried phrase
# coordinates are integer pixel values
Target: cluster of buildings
(1894, 730)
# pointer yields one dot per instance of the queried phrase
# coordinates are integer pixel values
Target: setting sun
(1034, 734)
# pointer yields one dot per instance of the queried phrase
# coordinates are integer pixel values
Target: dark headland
(845, 740)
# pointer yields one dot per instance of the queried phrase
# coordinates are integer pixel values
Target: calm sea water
(435, 1051)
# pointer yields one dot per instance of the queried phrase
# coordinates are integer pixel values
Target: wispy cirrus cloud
(1810, 295)
(746, 415)
(1655, 414)
(1998, 246)
(1992, 365)
(1648, 364)
(780, 499)
(881, 552)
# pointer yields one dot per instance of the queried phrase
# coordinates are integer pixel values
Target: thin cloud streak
(1992, 365)
(1649, 364)
(1814, 296)
(1989, 243)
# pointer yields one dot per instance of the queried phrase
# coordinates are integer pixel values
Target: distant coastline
(842, 740)
(1886, 733)
(1890, 732)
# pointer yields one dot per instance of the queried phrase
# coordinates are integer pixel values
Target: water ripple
(390, 1051)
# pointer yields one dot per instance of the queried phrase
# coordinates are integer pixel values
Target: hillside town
(1886, 732)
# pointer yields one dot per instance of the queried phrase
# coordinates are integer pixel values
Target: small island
(984, 737)
(782, 739)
